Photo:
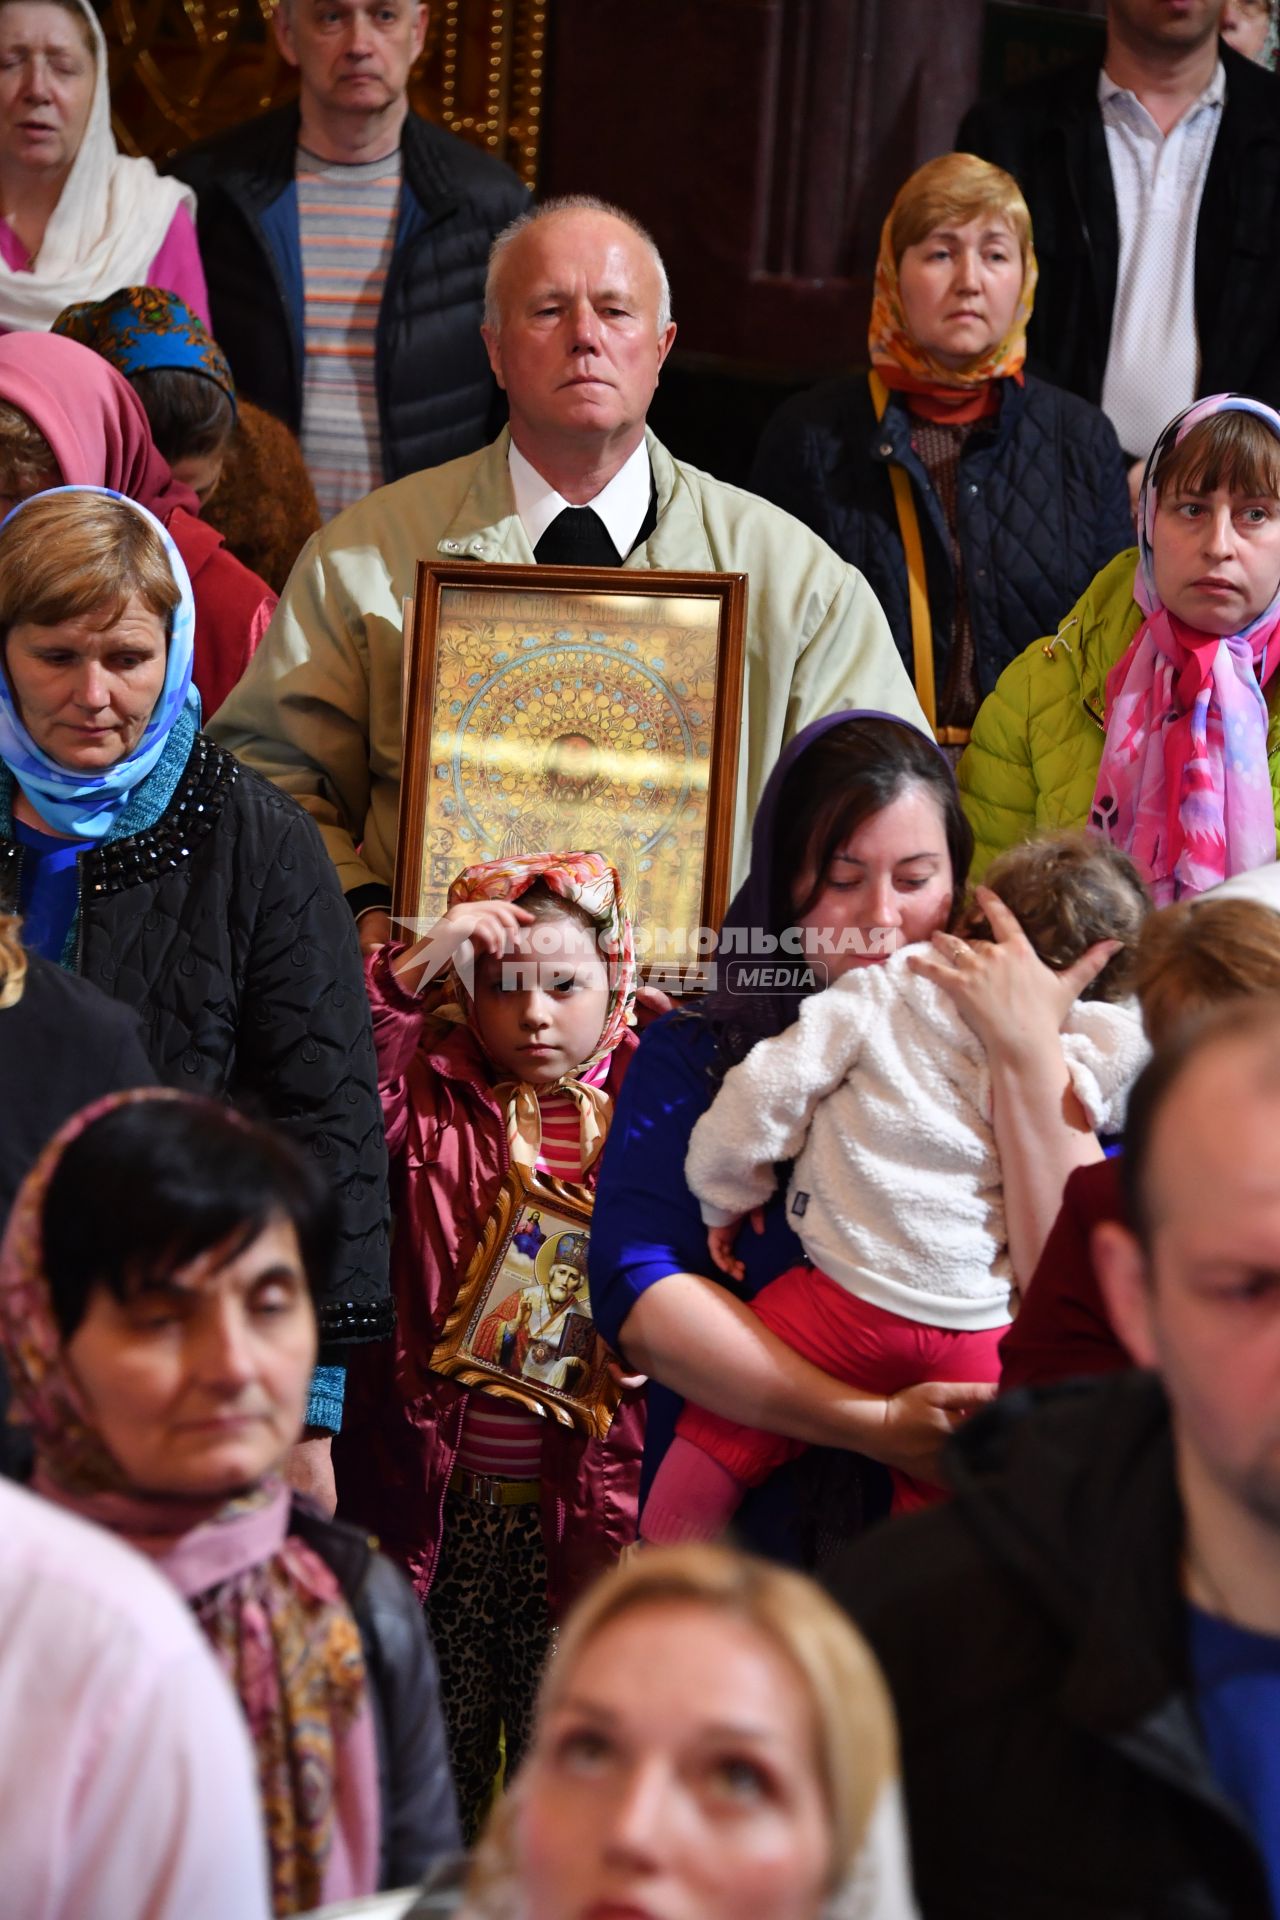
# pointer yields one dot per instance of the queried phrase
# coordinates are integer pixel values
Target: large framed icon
(521, 1324)
(557, 709)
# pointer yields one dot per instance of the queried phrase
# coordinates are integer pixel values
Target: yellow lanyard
(917, 588)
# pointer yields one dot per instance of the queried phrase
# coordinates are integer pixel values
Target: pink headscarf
(93, 420)
(1184, 784)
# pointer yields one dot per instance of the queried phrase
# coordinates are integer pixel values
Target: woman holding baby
(859, 846)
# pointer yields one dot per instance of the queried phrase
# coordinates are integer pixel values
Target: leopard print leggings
(488, 1616)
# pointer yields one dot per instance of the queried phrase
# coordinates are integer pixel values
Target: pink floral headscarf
(1184, 784)
(588, 881)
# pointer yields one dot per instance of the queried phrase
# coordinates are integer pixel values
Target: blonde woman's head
(713, 1738)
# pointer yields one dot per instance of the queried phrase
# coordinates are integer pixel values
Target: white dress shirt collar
(622, 505)
(1214, 94)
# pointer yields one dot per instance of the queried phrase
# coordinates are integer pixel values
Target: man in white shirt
(128, 1790)
(1161, 112)
(578, 326)
(1154, 188)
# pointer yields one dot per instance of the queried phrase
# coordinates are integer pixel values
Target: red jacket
(1062, 1330)
(233, 607)
(447, 1143)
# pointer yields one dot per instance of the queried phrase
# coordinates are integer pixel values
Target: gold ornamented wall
(181, 69)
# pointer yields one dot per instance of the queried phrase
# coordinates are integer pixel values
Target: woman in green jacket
(1153, 714)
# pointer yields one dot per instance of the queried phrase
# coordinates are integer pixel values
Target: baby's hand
(720, 1243)
(489, 925)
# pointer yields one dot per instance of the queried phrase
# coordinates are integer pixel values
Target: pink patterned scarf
(1184, 784)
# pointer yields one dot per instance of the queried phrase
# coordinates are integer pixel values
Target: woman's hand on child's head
(1001, 987)
(919, 1421)
(491, 926)
(720, 1242)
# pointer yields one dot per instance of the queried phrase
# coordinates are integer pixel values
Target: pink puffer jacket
(447, 1145)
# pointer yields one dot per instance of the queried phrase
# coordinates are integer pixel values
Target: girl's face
(889, 885)
(540, 1008)
(1216, 557)
(198, 1387)
(675, 1778)
(201, 472)
(960, 287)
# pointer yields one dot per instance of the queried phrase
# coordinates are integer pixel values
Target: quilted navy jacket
(436, 395)
(225, 929)
(1043, 504)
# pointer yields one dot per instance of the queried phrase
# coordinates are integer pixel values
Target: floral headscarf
(269, 1605)
(1184, 784)
(148, 330)
(907, 367)
(588, 881)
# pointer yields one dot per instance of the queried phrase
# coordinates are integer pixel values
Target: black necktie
(577, 538)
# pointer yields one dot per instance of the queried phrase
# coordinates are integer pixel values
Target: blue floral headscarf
(83, 804)
(148, 330)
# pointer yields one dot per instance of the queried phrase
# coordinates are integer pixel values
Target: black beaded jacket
(224, 927)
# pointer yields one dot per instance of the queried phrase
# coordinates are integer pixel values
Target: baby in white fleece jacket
(881, 1096)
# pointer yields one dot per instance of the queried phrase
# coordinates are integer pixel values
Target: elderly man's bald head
(577, 338)
(507, 244)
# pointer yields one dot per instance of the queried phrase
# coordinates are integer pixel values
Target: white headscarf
(879, 1887)
(107, 227)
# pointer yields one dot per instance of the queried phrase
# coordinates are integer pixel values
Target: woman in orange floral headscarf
(502, 1040)
(978, 500)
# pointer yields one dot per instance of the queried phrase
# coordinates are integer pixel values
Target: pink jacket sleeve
(177, 266)
(397, 1029)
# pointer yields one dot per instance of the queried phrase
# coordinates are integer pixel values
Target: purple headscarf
(744, 1018)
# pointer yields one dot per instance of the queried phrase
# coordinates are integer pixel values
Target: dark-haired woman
(859, 846)
(156, 1286)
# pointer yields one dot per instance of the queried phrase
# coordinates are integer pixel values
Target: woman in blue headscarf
(146, 859)
(859, 846)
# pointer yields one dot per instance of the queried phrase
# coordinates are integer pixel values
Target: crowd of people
(932, 1251)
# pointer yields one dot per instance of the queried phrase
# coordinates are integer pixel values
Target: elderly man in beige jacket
(577, 324)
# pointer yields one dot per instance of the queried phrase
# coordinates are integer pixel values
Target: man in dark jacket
(345, 241)
(1084, 1647)
(1154, 189)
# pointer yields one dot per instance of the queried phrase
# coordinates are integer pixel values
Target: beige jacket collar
(487, 526)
